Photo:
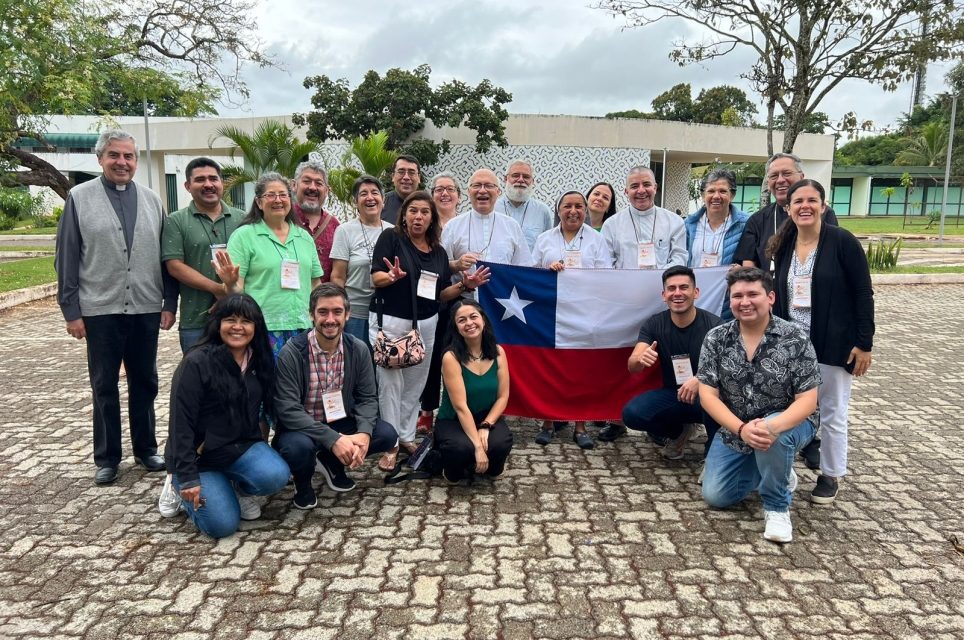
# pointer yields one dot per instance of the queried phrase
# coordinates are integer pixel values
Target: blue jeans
(358, 327)
(730, 475)
(259, 472)
(300, 451)
(189, 338)
(661, 414)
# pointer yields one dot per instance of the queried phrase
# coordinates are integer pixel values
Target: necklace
(475, 358)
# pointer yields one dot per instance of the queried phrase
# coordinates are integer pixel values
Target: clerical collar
(640, 212)
(483, 215)
(110, 185)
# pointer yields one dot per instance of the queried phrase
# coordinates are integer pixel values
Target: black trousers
(458, 452)
(131, 339)
(432, 393)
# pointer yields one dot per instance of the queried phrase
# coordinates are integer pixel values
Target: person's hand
(477, 279)
(344, 450)
(861, 360)
(756, 435)
(361, 442)
(77, 328)
(193, 495)
(558, 265)
(395, 272)
(227, 271)
(648, 357)
(690, 391)
(481, 460)
(167, 320)
(484, 439)
(466, 260)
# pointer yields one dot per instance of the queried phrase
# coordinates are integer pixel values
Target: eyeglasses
(488, 186)
(787, 174)
(445, 190)
(275, 196)
(406, 172)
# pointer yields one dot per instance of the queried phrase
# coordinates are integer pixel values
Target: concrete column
(860, 196)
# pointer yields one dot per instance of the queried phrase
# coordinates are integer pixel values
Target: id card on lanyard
(572, 259)
(426, 285)
(682, 369)
(709, 259)
(334, 405)
(801, 292)
(647, 255)
(290, 274)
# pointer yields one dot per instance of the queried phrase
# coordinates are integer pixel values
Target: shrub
(6, 223)
(18, 204)
(883, 255)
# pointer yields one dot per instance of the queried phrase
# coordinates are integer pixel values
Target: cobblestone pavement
(610, 543)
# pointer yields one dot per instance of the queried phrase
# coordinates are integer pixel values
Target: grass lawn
(23, 247)
(891, 225)
(923, 269)
(30, 231)
(26, 273)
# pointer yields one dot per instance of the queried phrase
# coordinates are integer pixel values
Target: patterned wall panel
(557, 169)
(676, 189)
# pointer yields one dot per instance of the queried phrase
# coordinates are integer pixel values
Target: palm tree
(375, 159)
(929, 149)
(273, 147)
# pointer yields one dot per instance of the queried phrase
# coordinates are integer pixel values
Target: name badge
(572, 258)
(801, 292)
(290, 270)
(709, 259)
(682, 368)
(334, 405)
(647, 256)
(426, 285)
(215, 248)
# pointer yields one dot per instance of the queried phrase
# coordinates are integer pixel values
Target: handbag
(405, 351)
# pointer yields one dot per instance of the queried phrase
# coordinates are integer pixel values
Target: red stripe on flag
(574, 384)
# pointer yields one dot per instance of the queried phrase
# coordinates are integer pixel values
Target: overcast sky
(554, 56)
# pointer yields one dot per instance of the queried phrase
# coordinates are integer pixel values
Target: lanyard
(491, 231)
(632, 217)
(214, 228)
(370, 246)
(571, 246)
(708, 230)
(284, 256)
(505, 208)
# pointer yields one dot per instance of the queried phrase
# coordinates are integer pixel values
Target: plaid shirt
(326, 372)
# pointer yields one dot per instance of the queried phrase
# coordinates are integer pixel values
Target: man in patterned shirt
(326, 401)
(758, 379)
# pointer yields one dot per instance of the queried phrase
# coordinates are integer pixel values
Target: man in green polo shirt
(191, 236)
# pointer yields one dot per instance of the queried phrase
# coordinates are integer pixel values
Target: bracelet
(739, 432)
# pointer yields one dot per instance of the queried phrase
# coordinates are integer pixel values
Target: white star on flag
(514, 306)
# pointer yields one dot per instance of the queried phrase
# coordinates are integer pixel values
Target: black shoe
(151, 463)
(583, 440)
(599, 424)
(825, 491)
(559, 425)
(811, 454)
(336, 479)
(305, 499)
(105, 475)
(611, 432)
(544, 437)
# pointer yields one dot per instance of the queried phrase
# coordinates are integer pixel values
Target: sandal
(409, 447)
(389, 460)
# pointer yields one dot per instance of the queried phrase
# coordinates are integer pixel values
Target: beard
(519, 194)
(310, 207)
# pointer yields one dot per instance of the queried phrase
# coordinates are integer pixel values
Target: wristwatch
(485, 425)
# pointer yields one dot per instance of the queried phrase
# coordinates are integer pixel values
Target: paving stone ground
(610, 543)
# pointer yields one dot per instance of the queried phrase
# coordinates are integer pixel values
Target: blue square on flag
(521, 304)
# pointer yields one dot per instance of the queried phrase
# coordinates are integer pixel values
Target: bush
(883, 255)
(18, 204)
(49, 221)
(6, 223)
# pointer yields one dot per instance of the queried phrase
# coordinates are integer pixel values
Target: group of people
(283, 307)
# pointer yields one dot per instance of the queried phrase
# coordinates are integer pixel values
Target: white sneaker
(169, 503)
(250, 509)
(673, 450)
(792, 485)
(778, 526)
(702, 473)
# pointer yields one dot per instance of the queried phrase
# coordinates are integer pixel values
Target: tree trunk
(41, 173)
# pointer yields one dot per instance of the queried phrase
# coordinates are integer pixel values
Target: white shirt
(707, 240)
(494, 237)
(593, 251)
(534, 216)
(628, 228)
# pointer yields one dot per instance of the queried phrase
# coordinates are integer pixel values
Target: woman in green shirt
(470, 433)
(273, 260)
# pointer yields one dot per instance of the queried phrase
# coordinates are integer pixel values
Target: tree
(712, 103)
(272, 147)
(816, 122)
(372, 153)
(675, 104)
(400, 103)
(874, 150)
(928, 149)
(806, 49)
(61, 56)
(123, 93)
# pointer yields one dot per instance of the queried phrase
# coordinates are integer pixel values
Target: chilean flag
(568, 335)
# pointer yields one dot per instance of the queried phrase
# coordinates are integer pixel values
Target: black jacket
(199, 415)
(841, 295)
(760, 228)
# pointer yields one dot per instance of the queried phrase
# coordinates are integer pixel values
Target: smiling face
(572, 212)
(519, 182)
(805, 207)
(446, 195)
(781, 174)
(275, 202)
(750, 303)
(641, 189)
(329, 317)
(679, 294)
(717, 197)
(418, 217)
(469, 322)
(237, 332)
(405, 177)
(311, 191)
(483, 191)
(369, 202)
(205, 187)
(599, 199)
(119, 161)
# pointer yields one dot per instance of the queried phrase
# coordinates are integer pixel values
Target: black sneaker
(825, 491)
(583, 440)
(611, 432)
(811, 454)
(305, 499)
(544, 437)
(336, 479)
